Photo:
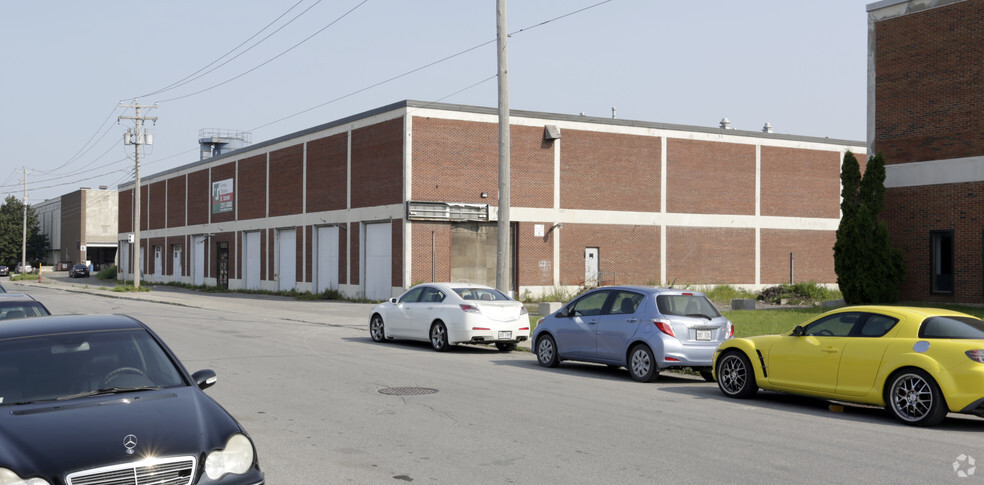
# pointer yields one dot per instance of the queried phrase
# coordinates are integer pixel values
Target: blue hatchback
(642, 328)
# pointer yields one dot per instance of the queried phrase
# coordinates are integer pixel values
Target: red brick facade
(354, 173)
(710, 178)
(929, 68)
(928, 71)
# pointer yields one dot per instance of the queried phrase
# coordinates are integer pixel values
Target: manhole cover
(406, 391)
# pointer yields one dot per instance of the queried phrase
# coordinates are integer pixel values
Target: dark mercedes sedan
(79, 271)
(99, 399)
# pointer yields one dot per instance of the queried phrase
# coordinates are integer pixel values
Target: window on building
(941, 278)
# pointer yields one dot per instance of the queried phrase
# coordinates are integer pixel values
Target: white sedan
(446, 314)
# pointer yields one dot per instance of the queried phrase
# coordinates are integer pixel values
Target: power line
(431, 64)
(192, 77)
(268, 60)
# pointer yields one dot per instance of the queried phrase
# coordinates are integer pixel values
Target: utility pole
(503, 254)
(137, 138)
(24, 239)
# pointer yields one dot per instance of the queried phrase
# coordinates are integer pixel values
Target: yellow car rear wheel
(914, 398)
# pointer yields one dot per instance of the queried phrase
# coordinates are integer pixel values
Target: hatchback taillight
(664, 327)
(469, 308)
(976, 355)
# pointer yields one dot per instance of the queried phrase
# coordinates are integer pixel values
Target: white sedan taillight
(469, 308)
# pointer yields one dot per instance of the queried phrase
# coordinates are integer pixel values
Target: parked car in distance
(135, 413)
(79, 271)
(4, 271)
(19, 305)
(446, 314)
(644, 329)
(919, 363)
(27, 267)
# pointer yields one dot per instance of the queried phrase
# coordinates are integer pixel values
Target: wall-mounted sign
(223, 195)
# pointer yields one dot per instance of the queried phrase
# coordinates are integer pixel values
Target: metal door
(378, 261)
(176, 263)
(327, 258)
(590, 266)
(286, 259)
(251, 260)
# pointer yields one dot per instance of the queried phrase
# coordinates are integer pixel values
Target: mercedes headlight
(8, 477)
(236, 457)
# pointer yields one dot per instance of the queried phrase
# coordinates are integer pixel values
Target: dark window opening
(941, 261)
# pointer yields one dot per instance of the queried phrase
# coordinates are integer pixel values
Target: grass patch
(749, 323)
(726, 293)
(28, 276)
(126, 287)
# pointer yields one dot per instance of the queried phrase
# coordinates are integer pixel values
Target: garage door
(379, 261)
(327, 258)
(251, 260)
(287, 260)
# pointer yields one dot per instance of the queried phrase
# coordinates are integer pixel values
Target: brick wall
(458, 160)
(327, 173)
(709, 255)
(199, 198)
(800, 183)
(157, 208)
(125, 218)
(396, 250)
(709, 178)
(421, 269)
(535, 265)
(176, 201)
(929, 68)
(252, 189)
(377, 164)
(631, 252)
(918, 210)
(286, 182)
(813, 253)
(353, 237)
(605, 171)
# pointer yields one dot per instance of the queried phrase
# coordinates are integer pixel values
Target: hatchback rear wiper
(109, 390)
(698, 315)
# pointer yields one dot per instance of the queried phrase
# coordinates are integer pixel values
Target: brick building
(925, 95)
(407, 193)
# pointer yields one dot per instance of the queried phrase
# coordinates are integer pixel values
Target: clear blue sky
(800, 65)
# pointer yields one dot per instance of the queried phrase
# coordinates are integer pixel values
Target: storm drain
(406, 391)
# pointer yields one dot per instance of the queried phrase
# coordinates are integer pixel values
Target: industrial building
(373, 203)
(925, 92)
(81, 227)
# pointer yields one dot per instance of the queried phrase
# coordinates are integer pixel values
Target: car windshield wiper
(108, 390)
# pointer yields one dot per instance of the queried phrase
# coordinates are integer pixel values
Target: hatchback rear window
(686, 305)
(952, 327)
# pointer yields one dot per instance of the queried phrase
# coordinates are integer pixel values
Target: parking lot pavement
(324, 312)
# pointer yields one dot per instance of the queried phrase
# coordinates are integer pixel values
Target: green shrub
(809, 293)
(107, 273)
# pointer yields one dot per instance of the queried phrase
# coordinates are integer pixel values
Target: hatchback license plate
(505, 334)
(703, 335)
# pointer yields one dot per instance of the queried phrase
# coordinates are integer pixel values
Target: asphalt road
(305, 379)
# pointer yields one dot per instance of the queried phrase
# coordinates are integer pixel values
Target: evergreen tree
(869, 269)
(12, 233)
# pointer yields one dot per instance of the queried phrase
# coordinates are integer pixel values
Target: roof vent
(725, 123)
(767, 128)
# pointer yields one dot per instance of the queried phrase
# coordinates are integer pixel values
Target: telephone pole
(24, 240)
(503, 281)
(137, 138)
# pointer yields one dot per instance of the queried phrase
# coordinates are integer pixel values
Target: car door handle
(632, 320)
(591, 322)
(831, 350)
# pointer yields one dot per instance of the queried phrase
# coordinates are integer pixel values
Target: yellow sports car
(919, 363)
